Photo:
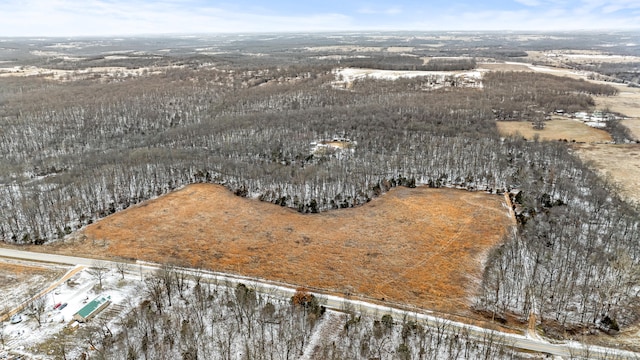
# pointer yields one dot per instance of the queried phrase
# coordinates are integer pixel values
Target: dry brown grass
(504, 67)
(556, 129)
(418, 246)
(15, 269)
(627, 102)
(13, 272)
(634, 126)
(620, 163)
(19, 280)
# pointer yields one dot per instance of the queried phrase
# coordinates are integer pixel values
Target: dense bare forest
(188, 318)
(142, 138)
(76, 151)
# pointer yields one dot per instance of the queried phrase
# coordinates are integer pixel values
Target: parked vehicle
(62, 306)
(56, 306)
(16, 318)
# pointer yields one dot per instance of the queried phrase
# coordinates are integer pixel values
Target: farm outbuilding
(92, 308)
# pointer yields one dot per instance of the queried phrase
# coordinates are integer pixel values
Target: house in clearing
(92, 308)
(335, 146)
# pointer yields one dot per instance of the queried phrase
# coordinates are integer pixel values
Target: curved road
(570, 349)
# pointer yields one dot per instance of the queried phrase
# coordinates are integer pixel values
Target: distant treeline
(628, 73)
(410, 63)
(517, 95)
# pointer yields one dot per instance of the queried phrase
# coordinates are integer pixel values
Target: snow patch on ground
(345, 48)
(549, 70)
(327, 330)
(596, 56)
(346, 76)
(47, 53)
(350, 74)
(76, 292)
(71, 45)
(89, 73)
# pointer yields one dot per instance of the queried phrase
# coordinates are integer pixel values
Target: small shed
(92, 308)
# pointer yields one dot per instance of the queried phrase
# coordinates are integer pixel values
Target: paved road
(50, 258)
(571, 349)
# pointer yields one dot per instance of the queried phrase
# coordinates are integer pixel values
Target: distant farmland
(557, 129)
(618, 163)
(419, 246)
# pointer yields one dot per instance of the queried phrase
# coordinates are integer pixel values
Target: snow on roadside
(327, 330)
(26, 336)
(75, 292)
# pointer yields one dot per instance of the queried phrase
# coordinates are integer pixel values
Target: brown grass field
(555, 129)
(627, 102)
(620, 163)
(634, 126)
(420, 246)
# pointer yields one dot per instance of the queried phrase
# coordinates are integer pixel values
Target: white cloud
(531, 3)
(127, 17)
(375, 11)
(583, 7)
(530, 19)
(552, 19)
(611, 8)
(120, 17)
(607, 6)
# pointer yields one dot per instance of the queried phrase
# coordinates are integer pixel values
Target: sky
(148, 17)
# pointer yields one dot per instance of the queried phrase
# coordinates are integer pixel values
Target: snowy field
(568, 58)
(19, 280)
(68, 75)
(40, 331)
(346, 76)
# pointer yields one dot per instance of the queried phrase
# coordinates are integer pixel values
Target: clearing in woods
(556, 129)
(627, 102)
(619, 163)
(424, 247)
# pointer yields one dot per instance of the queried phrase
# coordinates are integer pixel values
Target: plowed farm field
(420, 246)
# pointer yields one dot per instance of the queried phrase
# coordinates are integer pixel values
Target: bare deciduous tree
(98, 271)
(38, 305)
(122, 269)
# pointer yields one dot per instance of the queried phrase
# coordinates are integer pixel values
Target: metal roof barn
(92, 308)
